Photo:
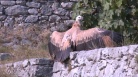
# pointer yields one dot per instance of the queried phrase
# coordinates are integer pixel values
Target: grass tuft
(3, 73)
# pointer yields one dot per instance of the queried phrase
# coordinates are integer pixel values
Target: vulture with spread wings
(75, 39)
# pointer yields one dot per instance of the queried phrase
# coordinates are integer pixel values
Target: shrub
(116, 15)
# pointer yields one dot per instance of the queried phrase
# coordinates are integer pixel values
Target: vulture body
(75, 39)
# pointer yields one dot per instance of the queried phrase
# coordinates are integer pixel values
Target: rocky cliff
(103, 62)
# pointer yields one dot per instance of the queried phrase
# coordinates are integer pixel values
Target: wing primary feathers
(116, 37)
(51, 50)
(57, 54)
(59, 49)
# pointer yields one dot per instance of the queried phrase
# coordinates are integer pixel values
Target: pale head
(79, 18)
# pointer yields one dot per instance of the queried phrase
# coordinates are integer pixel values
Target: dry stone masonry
(29, 68)
(17, 18)
(42, 12)
(103, 62)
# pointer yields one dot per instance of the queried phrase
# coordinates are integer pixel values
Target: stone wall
(37, 67)
(48, 13)
(25, 22)
(103, 62)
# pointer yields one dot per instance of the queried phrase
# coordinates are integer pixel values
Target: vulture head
(78, 21)
(79, 18)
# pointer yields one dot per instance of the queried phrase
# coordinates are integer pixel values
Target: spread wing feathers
(96, 38)
(58, 51)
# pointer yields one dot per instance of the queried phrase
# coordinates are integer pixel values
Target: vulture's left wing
(58, 51)
(96, 38)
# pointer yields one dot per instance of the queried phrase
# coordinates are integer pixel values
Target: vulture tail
(117, 38)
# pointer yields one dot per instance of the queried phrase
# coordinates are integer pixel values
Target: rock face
(30, 68)
(103, 62)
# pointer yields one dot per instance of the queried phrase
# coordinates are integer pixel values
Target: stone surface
(31, 19)
(67, 5)
(5, 56)
(69, 22)
(54, 18)
(33, 4)
(3, 17)
(60, 11)
(20, 2)
(9, 21)
(36, 67)
(7, 2)
(43, 18)
(46, 10)
(61, 27)
(16, 10)
(100, 63)
(55, 5)
(33, 11)
(1, 10)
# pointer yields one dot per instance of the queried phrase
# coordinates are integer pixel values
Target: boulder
(60, 11)
(7, 2)
(31, 19)
(9, 21)
(16, 10)
(20, 2)
(5, 56)
(33, 4)
(46, 10)
(33, 11)
(1, 10)
(67, 5)
(2, 17)
(54, 18)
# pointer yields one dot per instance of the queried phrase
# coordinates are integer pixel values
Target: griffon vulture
(75, 39)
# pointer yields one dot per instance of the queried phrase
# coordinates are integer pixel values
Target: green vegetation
(117, 15)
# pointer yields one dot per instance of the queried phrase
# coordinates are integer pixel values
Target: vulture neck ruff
(76, 24)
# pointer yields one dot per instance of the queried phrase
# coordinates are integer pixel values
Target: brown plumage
(75, 39)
